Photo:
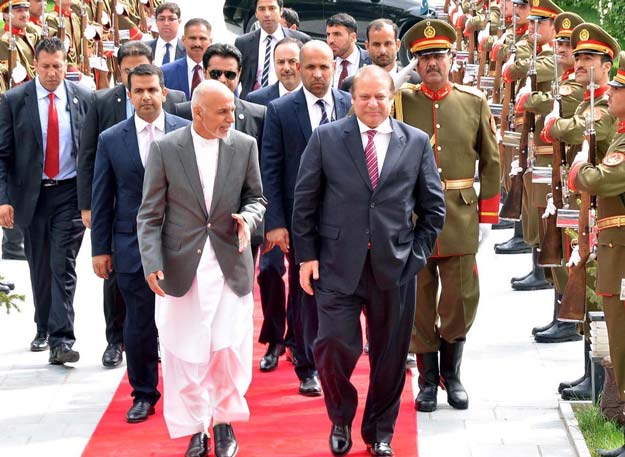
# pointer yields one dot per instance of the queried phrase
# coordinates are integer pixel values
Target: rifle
(45, 29)
(573, 305)
(12, 46)
(550, 253)
(472, 45)
(61, 23)
(99, 9)
(143, 19)
(115, 29)
(85, 68)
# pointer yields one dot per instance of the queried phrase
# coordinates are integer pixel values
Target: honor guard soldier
(22, 69)
(36, 22)
(67, 24)
(607, 182)
(436, 106)
(592, 47)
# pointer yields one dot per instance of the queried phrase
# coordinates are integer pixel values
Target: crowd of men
(181, 206)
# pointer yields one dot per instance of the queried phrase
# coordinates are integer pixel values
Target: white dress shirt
(314, 110)
(67, 163)
(159, 53)
(275, 37)
(206, 155)
(190, 67)
(143, 138)
(381, 140)
(352, 67)
(284, 91)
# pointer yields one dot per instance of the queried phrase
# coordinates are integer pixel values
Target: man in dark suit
(110, 107)
(360, 180)
(341, 36)
(167, 47)
(382, 45)
(40, 122)
(289, 123)
(185, 74)
(257, 47)
(117, 188)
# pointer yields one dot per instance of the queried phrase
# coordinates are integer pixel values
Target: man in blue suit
(117, 189)
(185, 74)
(360, 181)
(289, 123)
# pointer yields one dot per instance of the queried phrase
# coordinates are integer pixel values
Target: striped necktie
(371, 156)
(324, 114)
(264, 80)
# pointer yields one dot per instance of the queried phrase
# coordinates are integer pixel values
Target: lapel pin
(241, 116)
(75, 100)
(119, 100)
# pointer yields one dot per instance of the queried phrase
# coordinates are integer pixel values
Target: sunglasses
(216, 74)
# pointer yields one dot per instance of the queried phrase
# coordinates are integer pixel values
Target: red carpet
(282, 424)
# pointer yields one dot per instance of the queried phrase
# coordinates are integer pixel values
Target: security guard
(462, 130)
(607, 182)
(25, 42)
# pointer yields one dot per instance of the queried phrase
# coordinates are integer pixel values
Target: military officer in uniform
(25, 42)
(436, 106)
(607, 182)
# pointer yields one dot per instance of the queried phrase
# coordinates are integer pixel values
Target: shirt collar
(353, 58)
(42, 92)
(16, 31)
(159, 123)
(201, 141)
(277, 35)
(191, 64)
(436, 95)
(160, 43)
(311, 99)
(384, 127)
(283, 90)
(394, 70)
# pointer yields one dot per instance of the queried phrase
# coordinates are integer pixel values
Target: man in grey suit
(202, 197)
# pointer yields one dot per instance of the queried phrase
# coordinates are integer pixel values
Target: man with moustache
(341, 36)
(289, 124)
(117, 185)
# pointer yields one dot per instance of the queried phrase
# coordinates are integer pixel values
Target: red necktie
(197, 79)
(51, 166)
(371, 156)
(343, 74)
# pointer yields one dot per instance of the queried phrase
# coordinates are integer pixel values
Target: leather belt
(455, 184)
(55, 182)
(611, 222)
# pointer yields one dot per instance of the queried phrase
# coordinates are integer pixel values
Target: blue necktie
(166, 57)
(324, 114)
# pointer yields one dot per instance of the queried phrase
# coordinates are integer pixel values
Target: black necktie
(166, 57)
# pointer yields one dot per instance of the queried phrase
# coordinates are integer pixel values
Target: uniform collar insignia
(436, 95)
(35, 21)
(66, 13)
(522, 29)
(598, 93)
(566, 74)
(621, 127)
(16, 31)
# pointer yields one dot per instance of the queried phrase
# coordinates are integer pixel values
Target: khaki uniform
(73, 34)
(607, 181)
(25, 42)
(456, 148)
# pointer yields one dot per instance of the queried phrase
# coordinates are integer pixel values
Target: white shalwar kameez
(205, 336)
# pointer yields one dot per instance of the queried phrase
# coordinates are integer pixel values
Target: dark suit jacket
(117, 190)
(347, 83)
(21, 144)
(176, 76)
(108, 109)
(287, 131)
(265, 95)
(180, 50)
(337, 213)
(248, 45)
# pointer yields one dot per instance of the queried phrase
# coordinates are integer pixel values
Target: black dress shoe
(269, 362)
(139, 412)
(225, 443)
(340, 439)
(7, 284)
(310, 387)
(560, 332)
(63, 353)
(40, 343)
(380, 448)
(112, 356)
(514, 245)
(199, 446)
(619, 452)
(579, 392)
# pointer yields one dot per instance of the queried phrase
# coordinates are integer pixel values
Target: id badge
(623, 289)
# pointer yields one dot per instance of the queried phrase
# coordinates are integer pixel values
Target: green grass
(598, 432)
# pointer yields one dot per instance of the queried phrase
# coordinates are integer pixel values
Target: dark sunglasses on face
(216, 74)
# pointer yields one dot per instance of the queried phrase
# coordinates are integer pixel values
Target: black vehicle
(240, 18)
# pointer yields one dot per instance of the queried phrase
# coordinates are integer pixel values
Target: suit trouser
(338, 347)
(614, 310)
(305, 322)
(140, 336)
(455, 308)
(114, 310)
(51, 242)
(273, 297)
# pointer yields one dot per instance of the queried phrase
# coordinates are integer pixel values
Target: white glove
(515, 169)
(508, 63)
(575, 258)
(551, 209)
(499, 136)
(484, 230)
(526, 89)
(484, 33)
(455, 67)
(403, 75)
(582, 156)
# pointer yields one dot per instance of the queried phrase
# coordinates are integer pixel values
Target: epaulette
(410, 86)
(469, 90)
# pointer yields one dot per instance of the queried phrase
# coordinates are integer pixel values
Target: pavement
(512, 381)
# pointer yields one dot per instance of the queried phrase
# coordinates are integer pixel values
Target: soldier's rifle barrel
(12, 46)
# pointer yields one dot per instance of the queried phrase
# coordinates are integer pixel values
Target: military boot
(451, 359)
(514, 245)
(583, 389)
(535, 281)
(619, 452)
(556, 302)
(560, 332)
(503, 225)
(429, 378)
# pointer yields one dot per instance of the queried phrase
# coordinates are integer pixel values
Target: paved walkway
(511, 380)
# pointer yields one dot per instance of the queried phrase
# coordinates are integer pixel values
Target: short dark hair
(197, 21)
(146, 69)
(279, 2)
(345, 20)
(50, 46)
(606, 58)
(133, 49)
(172, 7)
(221, 50)
(379, 24)
(290, 16)
(287, 40)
